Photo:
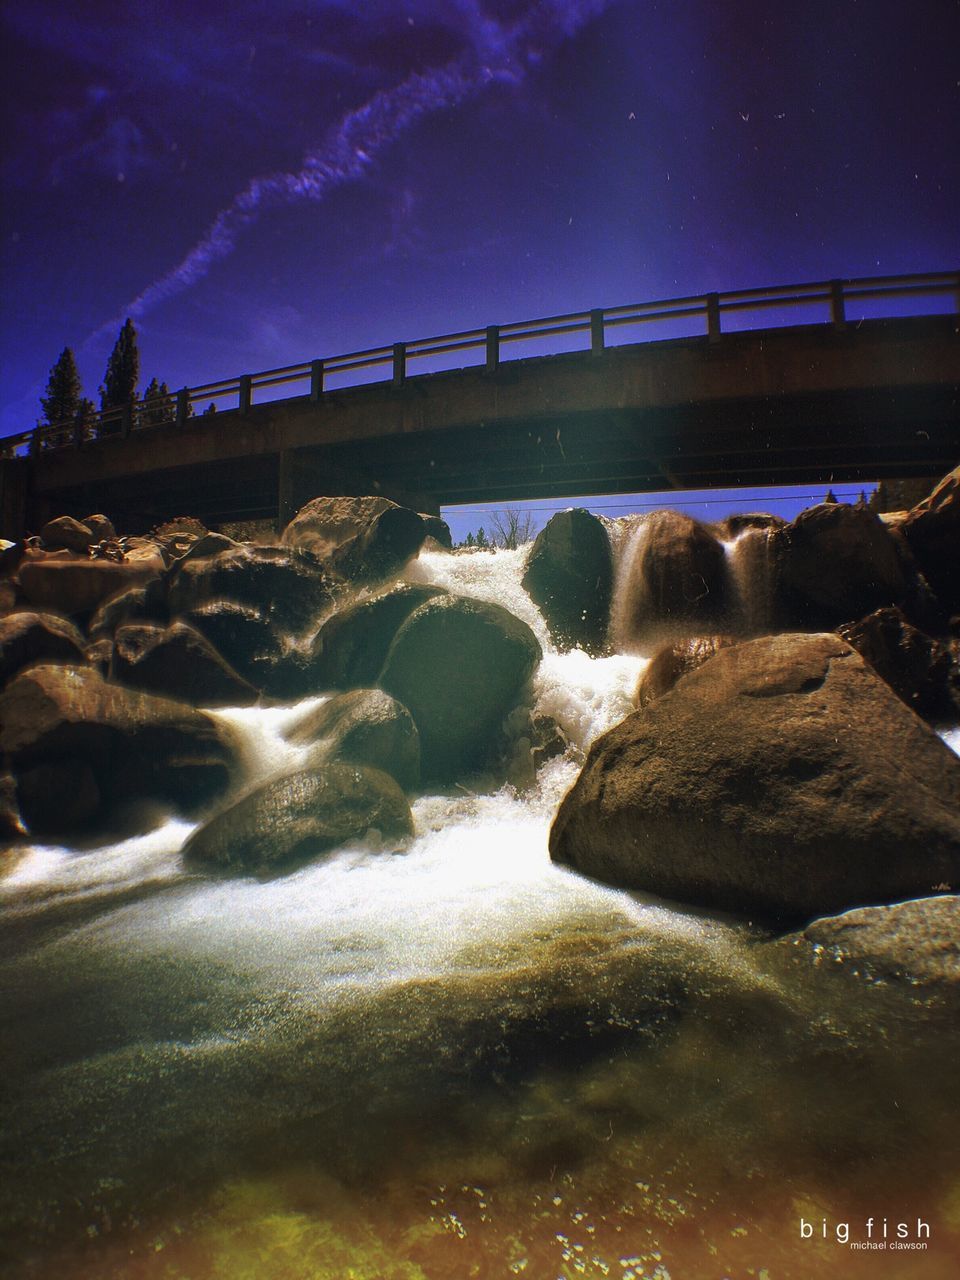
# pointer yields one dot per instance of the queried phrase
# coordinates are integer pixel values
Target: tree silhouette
(62, 400)
(123, 370)
(158, 405)
(512, 528)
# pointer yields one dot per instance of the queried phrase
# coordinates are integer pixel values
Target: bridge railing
(833, 302)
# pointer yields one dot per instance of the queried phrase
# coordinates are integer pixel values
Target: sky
(276, 180)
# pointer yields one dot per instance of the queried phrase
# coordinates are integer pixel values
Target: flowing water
(448, 1058)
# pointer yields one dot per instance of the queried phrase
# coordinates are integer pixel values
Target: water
(447, 1057)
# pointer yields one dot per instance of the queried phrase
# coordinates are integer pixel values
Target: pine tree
(85, 420)
(62, 400)
(157, 404)
(123, 370)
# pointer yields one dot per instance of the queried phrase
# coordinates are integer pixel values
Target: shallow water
(448, 1057)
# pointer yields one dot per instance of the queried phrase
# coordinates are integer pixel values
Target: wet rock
(244, 637)
(837, 563)
(459, 666)
(139, 604)
(290, 589)
(177, 662)
(547, 740)
(733, 525)
(137, 746)
(11, 824)
(569, 576)
(917, 942)
(30, 637)
(915, 666)
(438, 530)
(365, 726)
(677, 580)
(291, 820)
(66, 532)
(782, 779)
(351, 647)
(673, 661)
(932, 532)
(77, 587)
(101, 527)
(363, 539)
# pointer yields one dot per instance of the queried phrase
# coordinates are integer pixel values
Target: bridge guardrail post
(596, 333)
(493, 348)
(838, 309)
(246, 394)
(316, 380)
(399, 363)
(126, 419)
(183, 405)
(713, 317)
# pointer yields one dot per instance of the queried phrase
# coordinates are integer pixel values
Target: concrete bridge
(839, 398)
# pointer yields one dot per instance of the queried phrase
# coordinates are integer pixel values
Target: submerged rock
(360, 538)
(365, 726)
(177, 662)
(781, 779)
(56, 720)
(290, 820)
(569, 576)
(27, 638)
(459, 666)
(351, 647)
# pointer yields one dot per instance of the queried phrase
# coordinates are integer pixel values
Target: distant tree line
(69, 411)
(511, 528)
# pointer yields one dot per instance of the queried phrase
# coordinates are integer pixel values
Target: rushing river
(449, 1058)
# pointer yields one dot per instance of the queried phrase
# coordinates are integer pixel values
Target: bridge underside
(850, 438)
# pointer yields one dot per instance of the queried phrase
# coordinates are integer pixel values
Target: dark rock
(363, 539)
(65, 532)
(58, 795)
(569, 576)
(244, 637)
(177, 662)
(365, 726)
(932, 532)
(781, 779)
(914, 665)
(290, 820)
(673, 661)
(733, 525)
(438, 530)
(837, 563)
(137, 746)
(101, 528)
(139, 604)
(676, 581)
(27, 638)
(351, 647)
(917, 942)
(11, 824)
(77, 587)
(459, 666)
(547, 740)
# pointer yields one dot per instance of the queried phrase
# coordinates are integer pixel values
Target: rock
(290, 588)
(363, 539)
(77, 587)
(932, 532)
(437, 530)
(837, 563)
(65, 532)
(136, 746)
(670, 663)
(351, 647)
(569, 576)
(290, 820)
(917, 942)
(733, 525)
(139, 604)
(781, 779)
(177, 662)
(676, 580)
(459, 666)
(242, 635)
(914, 665)
(67, 786)
(365, 726)
(11, 824)
(101, 528)
(30, 637)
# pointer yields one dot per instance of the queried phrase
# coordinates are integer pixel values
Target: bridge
(839, 381)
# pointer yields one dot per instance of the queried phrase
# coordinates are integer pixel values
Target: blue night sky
(263, 183)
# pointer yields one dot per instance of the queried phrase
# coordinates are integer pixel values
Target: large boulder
(917, 942)
(290, 589)
(673, 661)
(569, 576)
(351, 647)
(781, 779)
(459, 666)
(676, 581)
(31, 637)
(77, 587)
(836, 563)
(56, 720)
(932, 532)
(365, 726)
(916, 666)
(364, 539)
(66, 532)
(177, 662)
(290, 820)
